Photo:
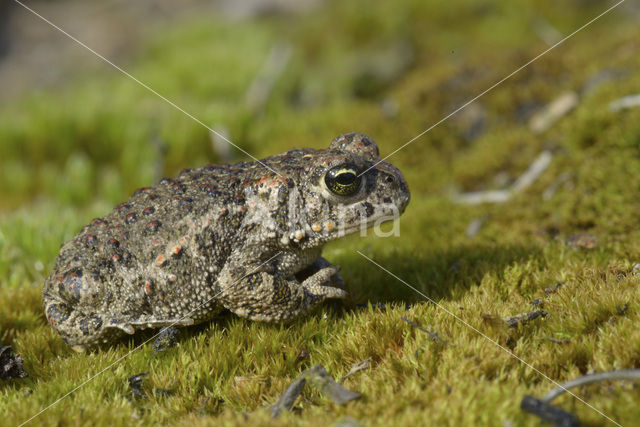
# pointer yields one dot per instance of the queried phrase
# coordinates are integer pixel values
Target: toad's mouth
(367, 223)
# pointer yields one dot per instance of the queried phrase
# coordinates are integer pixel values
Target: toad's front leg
(270, 297)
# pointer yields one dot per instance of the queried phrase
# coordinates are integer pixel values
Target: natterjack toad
(240, 237)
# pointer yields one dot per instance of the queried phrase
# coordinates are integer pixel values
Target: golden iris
(343, 180)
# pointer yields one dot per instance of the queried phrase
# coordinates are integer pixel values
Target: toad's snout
(396, 185)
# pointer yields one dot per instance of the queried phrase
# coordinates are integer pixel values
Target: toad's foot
(273, 298)
(335, 280)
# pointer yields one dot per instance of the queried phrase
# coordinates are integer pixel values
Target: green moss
(60, 167)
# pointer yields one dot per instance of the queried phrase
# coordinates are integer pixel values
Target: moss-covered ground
(69, 154)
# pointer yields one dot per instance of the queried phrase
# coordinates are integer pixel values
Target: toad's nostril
(390, 179)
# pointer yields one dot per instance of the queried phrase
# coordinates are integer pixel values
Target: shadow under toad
(438, 275)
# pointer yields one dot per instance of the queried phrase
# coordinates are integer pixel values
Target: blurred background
(77, 136)
(270, 74)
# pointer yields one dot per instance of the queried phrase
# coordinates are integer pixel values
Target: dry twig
(539, 165)
(318, 377)
(626, 374)
(558, 417)
(625, 102)
(550, 114)
(357, 367)
(433, 335)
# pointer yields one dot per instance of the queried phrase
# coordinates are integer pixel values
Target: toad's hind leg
(81, 331)
(146, 322)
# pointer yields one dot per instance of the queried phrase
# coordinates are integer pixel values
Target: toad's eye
(343, 180)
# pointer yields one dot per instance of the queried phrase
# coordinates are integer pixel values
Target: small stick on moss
(433, 335)
(474, 227)
(553, 111)
(523, 318)
(288, 398)
(320, 379)
(626, 374)
(547, 412)
(260, 89)
(625, 102)
(527, 178)
(357, 367)
(558, 417)
(302, 356)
